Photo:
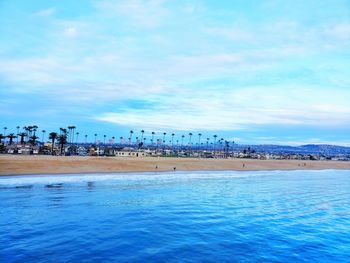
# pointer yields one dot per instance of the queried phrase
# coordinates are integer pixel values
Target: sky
(255, 72)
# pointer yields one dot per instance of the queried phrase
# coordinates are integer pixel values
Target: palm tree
(70, 128)
(140, 142)
(17, 132)
(121, 139)
(42, 139)
(71, 134)
(11, 136)
(226, 149)
(22, 135)
(113, 138)
(182, 140)
(25, 128)
(104, 139)
(189, 142)
(207, 143)
(215, 136)
(34, 129)
(153, 133)
(164, 133)
(63, 131)
(130, 138)
(33, 139)
(73, 130)
(220, 145)
(95, 137)
(199, 138)
(62, 141)
(28, 130)
(142, 132)
(86, 138)
(5, 128)
(77, 134)
(172, 140)
(53, 136)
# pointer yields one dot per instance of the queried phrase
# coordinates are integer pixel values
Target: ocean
(265, 216)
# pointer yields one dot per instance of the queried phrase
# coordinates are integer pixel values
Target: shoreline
(12, 165)
(154, 172)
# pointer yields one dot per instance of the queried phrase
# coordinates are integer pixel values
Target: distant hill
(303, 149)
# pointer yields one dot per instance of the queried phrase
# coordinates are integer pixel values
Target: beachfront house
(124, 153)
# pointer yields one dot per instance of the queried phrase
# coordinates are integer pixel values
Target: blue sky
(251, 71)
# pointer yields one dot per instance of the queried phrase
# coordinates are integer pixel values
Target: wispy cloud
(71, 32)
(238, 109)
(190, 65)
(139, 13)
(46, 12)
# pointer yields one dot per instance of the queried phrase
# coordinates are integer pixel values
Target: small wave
(55, 181)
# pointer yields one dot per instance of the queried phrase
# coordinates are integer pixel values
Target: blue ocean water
(278, 216)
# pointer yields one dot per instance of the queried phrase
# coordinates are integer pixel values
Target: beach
(42, 164)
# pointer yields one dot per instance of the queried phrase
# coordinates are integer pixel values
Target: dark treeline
(33, 136)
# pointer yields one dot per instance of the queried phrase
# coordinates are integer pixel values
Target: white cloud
(140, 13)
(339, 31)
(234, 33)
(238, 109)
(71, 32)
(46, 12)
(106, 58)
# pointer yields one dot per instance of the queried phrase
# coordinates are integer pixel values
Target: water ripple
(291, 216)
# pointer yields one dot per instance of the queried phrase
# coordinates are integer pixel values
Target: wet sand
(19, 165)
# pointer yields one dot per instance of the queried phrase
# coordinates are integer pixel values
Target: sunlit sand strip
(20, 165)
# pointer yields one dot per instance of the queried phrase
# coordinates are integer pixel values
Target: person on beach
(174, 169)
(243, 165)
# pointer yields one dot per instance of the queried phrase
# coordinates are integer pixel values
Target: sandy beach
(19, 165)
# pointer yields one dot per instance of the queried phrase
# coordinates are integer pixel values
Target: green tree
(32, 139)
(190, 143)
(142, 133)
(62, 139)
(153, 133)
(22, 135)
(11, 136)
(53, 136)
(130, 137)
(215, 136)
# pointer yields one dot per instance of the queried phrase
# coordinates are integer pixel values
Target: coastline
(42, 164)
